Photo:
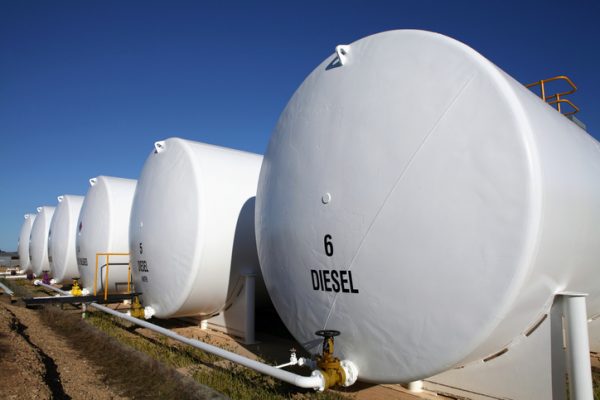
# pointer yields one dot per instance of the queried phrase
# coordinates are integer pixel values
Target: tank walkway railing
(108, 263)
(557, 99)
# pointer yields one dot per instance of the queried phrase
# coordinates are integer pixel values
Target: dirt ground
(38, 364)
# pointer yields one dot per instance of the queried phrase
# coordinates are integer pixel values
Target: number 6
(328, 245)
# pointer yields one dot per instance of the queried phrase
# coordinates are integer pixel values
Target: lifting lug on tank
(330, 366)
(137, 311)
(75, 289)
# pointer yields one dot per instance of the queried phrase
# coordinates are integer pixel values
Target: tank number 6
(328, 245)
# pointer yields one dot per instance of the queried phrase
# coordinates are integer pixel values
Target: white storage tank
(192, 227)
(61, 238)
(38, 242)
(424, 203)
(103, 227)
(23, 246)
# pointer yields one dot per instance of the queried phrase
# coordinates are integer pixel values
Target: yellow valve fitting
(330, 366)
(76, 290)
(137, 311)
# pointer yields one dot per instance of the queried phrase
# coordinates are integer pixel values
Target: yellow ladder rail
(557, 99)
(107, 255)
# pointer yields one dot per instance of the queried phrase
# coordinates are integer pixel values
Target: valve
(330, 366)
(137, 311)
(46, 278)
(293, 357)
(75, 289)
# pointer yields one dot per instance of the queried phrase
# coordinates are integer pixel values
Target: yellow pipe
(96, 275)
(129, 277)
(556, 99)
(106, 278)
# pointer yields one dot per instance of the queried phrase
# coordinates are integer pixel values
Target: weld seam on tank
(398, 180)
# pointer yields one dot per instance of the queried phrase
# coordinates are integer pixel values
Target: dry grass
(133, 373)
(234, 381)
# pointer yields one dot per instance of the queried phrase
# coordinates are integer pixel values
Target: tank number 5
(328, 245)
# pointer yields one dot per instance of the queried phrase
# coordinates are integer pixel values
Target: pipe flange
(319, 374)
(149, 312)
(350, 372)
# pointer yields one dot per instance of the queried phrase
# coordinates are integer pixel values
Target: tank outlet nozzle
(342, 52)
(26, 216)
(149, 312)
(39, 209)
(93, 181)
(60, 198)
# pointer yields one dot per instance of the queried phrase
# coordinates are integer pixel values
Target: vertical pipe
(250, 288)
(558, 347)
(558, 103)
(543, 90)
(96, 275)
(106, 278)
(578, 347)
(415, 386)
(129, 277)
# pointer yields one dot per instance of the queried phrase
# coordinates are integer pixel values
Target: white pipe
(415, 386)
(287, 364)
(315, 381)
(294, 360)
(40, 283)
(6, 289)
(580, 375)
(14, 277)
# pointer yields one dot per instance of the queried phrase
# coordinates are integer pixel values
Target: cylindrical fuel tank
(23, 247)
(38, 243)
(192, 227)
(61, 238)
(424, 203)
(103, 227)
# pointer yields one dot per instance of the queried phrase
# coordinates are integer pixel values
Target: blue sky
(86, 87)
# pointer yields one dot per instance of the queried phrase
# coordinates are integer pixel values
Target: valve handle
(327, 333)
